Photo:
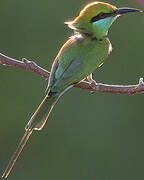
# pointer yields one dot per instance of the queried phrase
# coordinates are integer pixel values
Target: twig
(32, 66)
(24, 64)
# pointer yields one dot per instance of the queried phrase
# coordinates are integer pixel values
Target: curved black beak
(120, 11)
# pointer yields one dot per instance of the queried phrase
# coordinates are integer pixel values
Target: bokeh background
(97, 136)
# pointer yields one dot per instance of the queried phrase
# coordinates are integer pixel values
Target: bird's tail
(36, 122)
(42, 113)
(16, 153)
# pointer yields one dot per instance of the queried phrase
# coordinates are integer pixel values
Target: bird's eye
(102, 15)
(98, 17)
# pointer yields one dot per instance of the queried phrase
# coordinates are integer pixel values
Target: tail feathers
(16, 153)
(36, 122)
(42, 113)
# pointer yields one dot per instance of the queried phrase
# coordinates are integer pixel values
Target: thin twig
(24, 64)
(32, 66)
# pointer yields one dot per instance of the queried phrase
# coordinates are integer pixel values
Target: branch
(24, 64)
(32, 66)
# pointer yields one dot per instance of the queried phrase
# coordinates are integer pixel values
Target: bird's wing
(66, 56)
(76, 60)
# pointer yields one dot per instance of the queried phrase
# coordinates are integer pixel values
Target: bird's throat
(101, 27)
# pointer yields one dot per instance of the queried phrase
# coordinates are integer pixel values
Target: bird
(82, 53)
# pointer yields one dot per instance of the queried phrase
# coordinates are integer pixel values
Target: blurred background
(97, 136)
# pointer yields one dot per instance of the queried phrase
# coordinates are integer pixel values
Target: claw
(92, 82)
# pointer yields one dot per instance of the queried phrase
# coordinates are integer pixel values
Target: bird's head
(97, 17)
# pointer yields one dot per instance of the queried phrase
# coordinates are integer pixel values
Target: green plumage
(40, 116)
(80, 57)
(85, 51)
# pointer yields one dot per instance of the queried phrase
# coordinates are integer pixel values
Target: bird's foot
(93, 84)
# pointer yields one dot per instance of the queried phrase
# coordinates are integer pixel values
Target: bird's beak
(120, 11)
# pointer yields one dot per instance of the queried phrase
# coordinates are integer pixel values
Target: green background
(88, 137)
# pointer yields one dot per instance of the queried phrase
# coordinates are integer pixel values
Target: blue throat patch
(104, 24)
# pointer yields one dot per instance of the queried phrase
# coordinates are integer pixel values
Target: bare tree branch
(24, 64)
(32, 66)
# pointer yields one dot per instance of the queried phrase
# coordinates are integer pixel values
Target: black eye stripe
(101, 16)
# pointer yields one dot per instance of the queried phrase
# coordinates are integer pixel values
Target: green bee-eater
(85, 51)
